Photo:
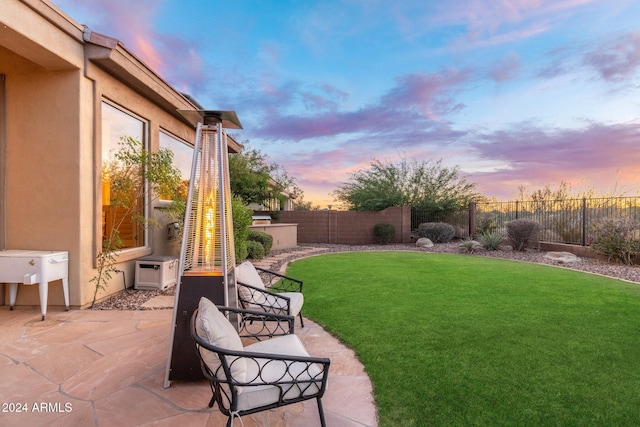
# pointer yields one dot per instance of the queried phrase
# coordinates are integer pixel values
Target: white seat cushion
(275, 371)
(296, 300)
(214, 328)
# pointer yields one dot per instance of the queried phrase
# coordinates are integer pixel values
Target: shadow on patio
(90, 368)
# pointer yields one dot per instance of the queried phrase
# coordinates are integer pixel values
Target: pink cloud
(618, 59)
(604, 155)
(540, 157)
(505, 69)
(492, 23)
(417, 102)
(147, 52)
(325, 166)
(131, 22)
(428, 92)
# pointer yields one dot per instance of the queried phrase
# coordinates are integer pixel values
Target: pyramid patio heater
(207, 256)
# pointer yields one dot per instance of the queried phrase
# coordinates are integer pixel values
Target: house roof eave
(112, 56)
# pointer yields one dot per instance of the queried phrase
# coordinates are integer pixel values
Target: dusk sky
(515, 92)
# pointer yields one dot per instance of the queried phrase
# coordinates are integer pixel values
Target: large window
(182, 159)
(124, 220)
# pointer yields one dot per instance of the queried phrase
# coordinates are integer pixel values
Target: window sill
(130, 254)
(163, 204)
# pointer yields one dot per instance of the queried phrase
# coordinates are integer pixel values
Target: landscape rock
(424, 242)
(562, 257)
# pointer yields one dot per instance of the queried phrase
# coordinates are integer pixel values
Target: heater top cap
(229, 119)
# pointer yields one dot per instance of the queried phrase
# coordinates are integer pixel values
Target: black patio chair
(264, 375)
(281, 294)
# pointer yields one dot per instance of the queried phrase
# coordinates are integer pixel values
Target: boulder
(562, 257)
(424, 242)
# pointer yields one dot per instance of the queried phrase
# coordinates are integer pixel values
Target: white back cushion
(247, 273)
(215, 329)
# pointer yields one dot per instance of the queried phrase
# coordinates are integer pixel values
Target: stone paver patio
(107, 368)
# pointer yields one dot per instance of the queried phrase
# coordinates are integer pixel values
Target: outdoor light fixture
(207, 256)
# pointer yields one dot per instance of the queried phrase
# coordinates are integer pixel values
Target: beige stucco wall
(42, 140)
(53, 113)
(285, 236)
(43, 168)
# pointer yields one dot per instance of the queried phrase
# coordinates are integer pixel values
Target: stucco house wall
(56, 74)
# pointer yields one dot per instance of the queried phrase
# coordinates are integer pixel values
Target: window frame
(145, 248)
(173, 138)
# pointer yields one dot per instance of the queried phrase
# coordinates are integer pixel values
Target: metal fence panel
(562, 221)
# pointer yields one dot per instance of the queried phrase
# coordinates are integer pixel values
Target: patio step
(272, 261)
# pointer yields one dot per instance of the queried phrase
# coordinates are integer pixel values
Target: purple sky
(517, 93)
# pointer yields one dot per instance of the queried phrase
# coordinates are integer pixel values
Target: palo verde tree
(133, 178)
(419, 184)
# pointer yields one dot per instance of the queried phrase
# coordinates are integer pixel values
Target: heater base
(185, 364)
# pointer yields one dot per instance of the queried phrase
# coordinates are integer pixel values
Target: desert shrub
(384, 233)
(242, 220)
(437, 232)
(266, 240)
(490, 240)
(255, 250)
(522, 233)
(486, 225)
(468, 246)
(617, 239)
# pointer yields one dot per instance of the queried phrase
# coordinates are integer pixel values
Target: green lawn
(460, 340)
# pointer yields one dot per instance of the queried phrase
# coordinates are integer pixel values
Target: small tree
(135, 178)
(423, 185)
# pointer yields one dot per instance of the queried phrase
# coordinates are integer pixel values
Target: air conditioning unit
(156, 272)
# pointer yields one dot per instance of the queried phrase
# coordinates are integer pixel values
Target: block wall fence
(346, 227)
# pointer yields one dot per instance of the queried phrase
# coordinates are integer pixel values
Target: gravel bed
(133, 299)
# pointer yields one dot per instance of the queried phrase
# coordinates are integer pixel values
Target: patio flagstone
(109, 367)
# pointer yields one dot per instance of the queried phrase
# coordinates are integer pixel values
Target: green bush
(490, 240)
(617, 238)
(266, 240)
(384, 233)
(242, 220)
(437, 232)
(255, 249)
(523, 233)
